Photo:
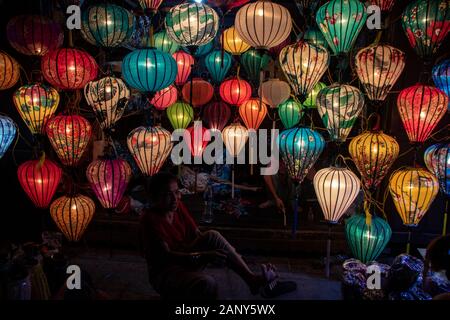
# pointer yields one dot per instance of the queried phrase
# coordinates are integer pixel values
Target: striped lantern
(254, 62)
(235, 91)
(202, 92)
(164, 43)
(150, 5)
(165, 98)
(184, 66)
(314, 36)
(441, 77)
(384, 5)
(274, 92)
(234, 137)
(197, 138)
(180, 115)
(8, 130)
(311, 98)
(290, 113)
(437, 160)
(216, 115)
(218, 64)
(9, 71)
(253, 112)
(232, 43)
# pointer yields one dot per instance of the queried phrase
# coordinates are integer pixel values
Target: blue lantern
(218, 64)
(441, 77)
(7, 133)
(437, 160)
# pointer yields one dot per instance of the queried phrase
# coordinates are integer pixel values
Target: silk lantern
(314, 36)
(72, 215)
(336, 189)
(36, 104)
(150, 147)
(254, 62)
(197, 138)
(290, 113)
(341, 22)
(200, 51)
(311, 98)
(441, 77)
(232, 42)
(421, 108)
(69, 136)
(437, 160)
(378, 67)
(235, 91)
(367, 242)
(384, 5)
(39, 179)
(234, 137)
(164, 43)
(165, 98)
(184, 66)
(253, 112)
(8, 131)
(109, 179)
(9, 71)
(263, 24)
(413, 191)
(218, 64)
(200, 93)
(150, 5)
(216, 115)
(274, 92)
(180, 115)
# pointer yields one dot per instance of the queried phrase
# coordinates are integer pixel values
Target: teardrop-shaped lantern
(165, 98)
(235, 91)
(164, 43)
(378, 68)
(202, 92)
(303, 65)
(8, 131)
(336, 189)
(384, 5)
(36, 104)
(180, 115)
(341, 22)
(234, 137)
(290, 113)
(232, 42)
(311, 98)
(109, 179)
(9, 71)
(150, 5)
(216, 115)
(150, 147)
(39, 179)
(367, 242)
(413, 191)
(339, 106)
(197, 138)
(184, 66)
(218, 64)
(254, 62)
(274, 92)
(441, 77)
(72, 215)
(437, 160)
(314, 36)
(421, 108)
(253, 112)
(69, 137)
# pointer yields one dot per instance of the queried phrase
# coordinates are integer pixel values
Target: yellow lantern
(234, 137)
(9, 71)
(232, 43)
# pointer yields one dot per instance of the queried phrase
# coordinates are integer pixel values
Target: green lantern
(164, 43)
(290, 113)
(253, 62)
(218, 64)
(313, 35)
(341, 22)
(310, 101)
(180, 115)
(367, 241)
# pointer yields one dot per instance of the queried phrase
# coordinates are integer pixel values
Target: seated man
(177, 251)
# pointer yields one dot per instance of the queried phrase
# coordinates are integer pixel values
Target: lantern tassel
(41, 161)
(328, 262)
(367, 212)
(232, 181)
(294, 224)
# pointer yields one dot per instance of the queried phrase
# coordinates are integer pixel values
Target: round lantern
(164, 43)
(235, 91)
(36, 104)
(421, 107)
(336, 189)
(254, 62)
(150, 5)
(197, 138)
(72, 215)
(192, 24)
(9, 71)
(218, 64)
(69, 137)
(263, 24)
(300, 148)
(216, 115)
(373, 153)
(180, 115)
(378, 68)
(68, 68)
(34, 35)
(384, 5)
(165, 98)
(437, 159)
(149, 70)
(274, 92)
(314, 36)
(367, 242)
(290, 113)
(426, 24)
(441, 77)
(150, 147)
(303, 65)
(39, 179)
(311, 98)
(200, 93)
(253, 112)
(232, 43)
(413, 191)
(341, 22)
(234, 137)
(8, 131)
(184, 66)
(109, 180)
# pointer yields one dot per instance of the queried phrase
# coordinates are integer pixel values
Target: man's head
(163, 191)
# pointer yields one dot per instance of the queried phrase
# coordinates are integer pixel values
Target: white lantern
(274, 92)
(235, 137)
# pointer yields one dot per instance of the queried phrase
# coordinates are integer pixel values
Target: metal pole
(328, 262)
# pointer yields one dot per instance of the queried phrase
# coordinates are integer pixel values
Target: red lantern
(216, 115)
(68, 69)
(39, 179)
(235, 91)
(421, 107)
(69, 136)
(150, 5)
(197, 138)
(385, 5)
(202, 92)
(184, 65)
(164, 98)
(253, 112)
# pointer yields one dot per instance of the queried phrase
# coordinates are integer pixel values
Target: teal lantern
(149, 70)
(253, 62)
(311, 98)
(290, 113)
(164, 43)
(8, 131)
(341, 22)
(180, 115)
(367, 241)
(218, 64)
(441, 77)
(200, 51)
(314, 36)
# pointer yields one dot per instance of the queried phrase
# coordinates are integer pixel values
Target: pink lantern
(184, 65)
(165, 98)
(197, 138)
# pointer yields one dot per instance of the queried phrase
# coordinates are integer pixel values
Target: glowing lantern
(184, 66)
(36, 104)
(109, 180)
(232, 43)
(300, 148)
(336, 189)
(426, 24)
(385, 5)
(8, 131)
(164, 43)
(339, 106)
(254, 62)
(421, 107)
(367, 242)
(441, 77)
(69, 137)
(9, 71)
(72, 215)
(149, 70)
(39, 179)
(314, 36)
(373, 154)
(234, 137)
(253, 112)
(437, 159)
(216, 115)
(378, 68)
(180, 115)
(235, 91)
(34, 35)
(68, 69)
(200, 51)
(303, 65)
(311, 98)
(218, 64)
(150, 147)
(290, 113)
(192, 24)
(340, 23)
(202, 92)
(263, 24)
(197, 138)
(165, 98)
(150, 5)
(274, 92)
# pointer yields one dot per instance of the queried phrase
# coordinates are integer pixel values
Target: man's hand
(280, 205)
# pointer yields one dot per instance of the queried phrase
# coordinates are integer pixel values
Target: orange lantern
(9, 71)
(253, 112)
(202, 92)
(184, 65)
